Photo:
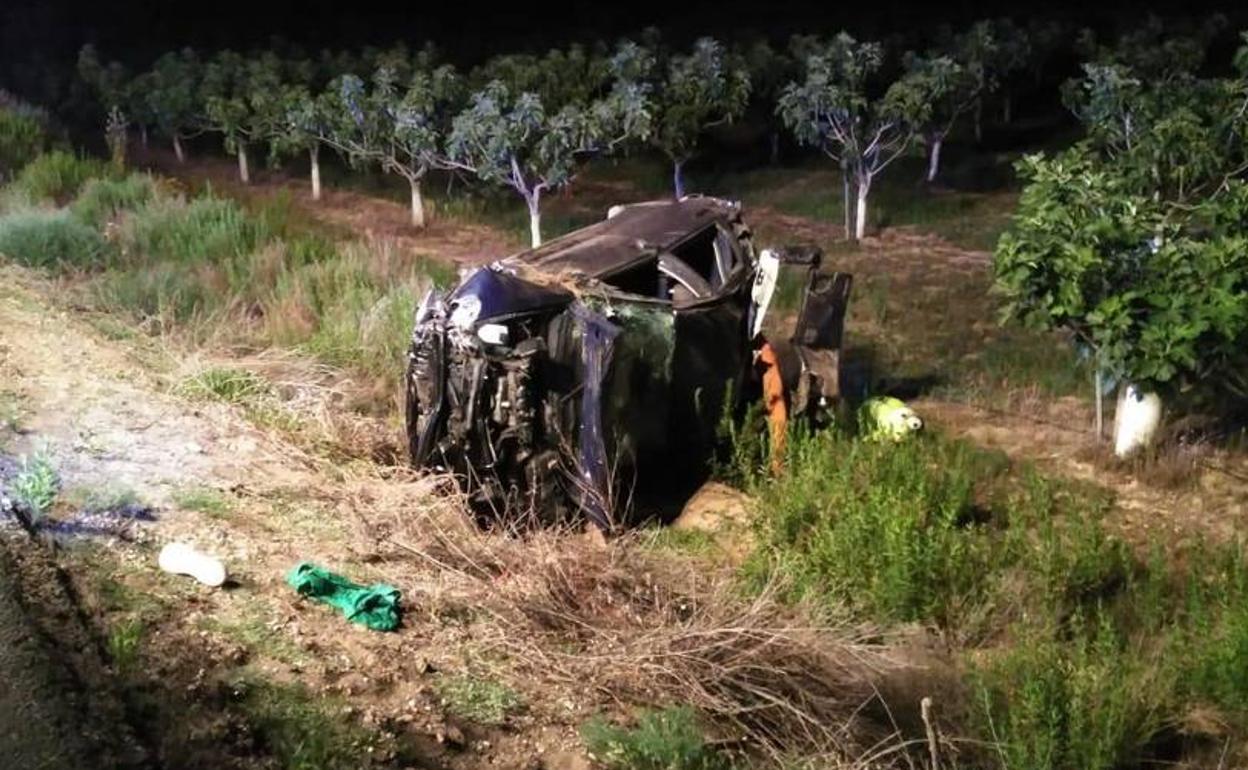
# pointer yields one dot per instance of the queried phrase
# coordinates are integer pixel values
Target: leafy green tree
(953, 90)
(243, 101)
(514, 140)
(1133, 242)
(845, 108)
(172, 88)
(689, 94)
(1013, 49)
(400, 127)
(976, 50)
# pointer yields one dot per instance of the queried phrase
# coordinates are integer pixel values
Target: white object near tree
(1136, 421)
(182, 559)
(764, 288)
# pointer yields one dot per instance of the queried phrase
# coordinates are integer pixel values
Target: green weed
(36, 485)
(43, 238)
(484, 701)
(202, 230)
(670, 739)
(124, 642)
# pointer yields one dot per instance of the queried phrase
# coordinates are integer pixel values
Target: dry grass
(639, 629)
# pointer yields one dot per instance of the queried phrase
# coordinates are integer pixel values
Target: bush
(204, 230)
(22, 138)
(103, 199)
(1082, 699)
(58, 175)
(661, 740)
(50, 238)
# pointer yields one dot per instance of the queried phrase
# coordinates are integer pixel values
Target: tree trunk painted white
(535, 220)
(775, 147)
(860, 224)
(143, 136)
(678, 177)
(244, 173)
(178, 152)
(979, 120)
(1007, 109)
(845, 200)
(933, 158)
(1098, 382)
(1137, 420)
(418, 205)
(314, 156)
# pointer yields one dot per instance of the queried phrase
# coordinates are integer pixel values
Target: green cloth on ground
(376, 606)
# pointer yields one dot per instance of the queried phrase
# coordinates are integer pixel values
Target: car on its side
(595, 370)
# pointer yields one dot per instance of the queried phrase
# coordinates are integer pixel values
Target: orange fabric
(773, 400)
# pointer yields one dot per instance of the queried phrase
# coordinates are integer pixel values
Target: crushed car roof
(637, 231)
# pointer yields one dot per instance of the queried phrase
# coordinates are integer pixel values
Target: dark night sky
(40, 37)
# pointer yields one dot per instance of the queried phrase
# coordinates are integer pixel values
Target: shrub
(43, 238)
(661, 740)
(22, 138)
(889, 529)
(103, 199)
(233, 386)
(58, 175)
(1083, 699)
(203, 230)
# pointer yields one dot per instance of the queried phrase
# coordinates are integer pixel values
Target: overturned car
(592, 372)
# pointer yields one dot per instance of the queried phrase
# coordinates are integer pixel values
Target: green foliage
(22, 137)
(1162, 302)
(57, 175)
(670, 739)
(102, 200)
(124, 642)
(484, 701)
(1083, 699)
(43, 238)
(36, 485)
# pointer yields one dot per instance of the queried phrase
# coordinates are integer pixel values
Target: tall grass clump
(50, 238)
(58, 175)
(101, 200)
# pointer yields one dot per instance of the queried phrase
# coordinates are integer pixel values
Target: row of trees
(528, 122)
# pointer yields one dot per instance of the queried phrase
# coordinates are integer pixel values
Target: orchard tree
(864, 123)
(515, 141)
(976, 51)
(689, 94)
(770, 69)
(172, 88)
(953, 92)
(400, 127)
(243, 102)
(113, 88)
(1134, 240)
(302, 125)
(1013, 53)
